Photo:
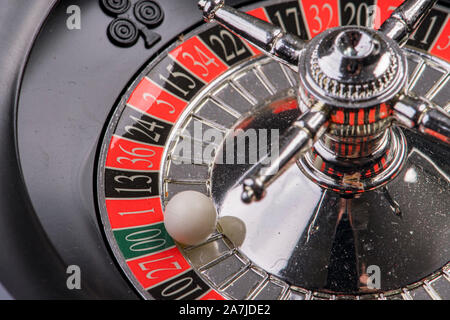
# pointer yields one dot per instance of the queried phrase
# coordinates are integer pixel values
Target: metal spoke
(422, 115)
(272, 40)
(406, 19)
(296, 141)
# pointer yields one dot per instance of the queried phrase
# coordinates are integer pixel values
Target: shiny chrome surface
(351, 67)
(305, 242)
(406, 19)
(419, 113)
(297, 140)
(358, 176)
(371, 72)
(218, 108)
(315, 239)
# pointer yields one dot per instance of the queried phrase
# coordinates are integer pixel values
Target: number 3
(158, 102)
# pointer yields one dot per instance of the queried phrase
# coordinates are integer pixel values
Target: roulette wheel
(114, 109)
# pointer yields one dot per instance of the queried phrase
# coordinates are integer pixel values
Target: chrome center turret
(351, 89)
(354, 73)
(352, 67)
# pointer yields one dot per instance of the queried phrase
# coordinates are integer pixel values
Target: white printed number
(317, 18)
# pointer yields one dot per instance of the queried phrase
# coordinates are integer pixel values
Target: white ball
(190, 217)
(233, 228)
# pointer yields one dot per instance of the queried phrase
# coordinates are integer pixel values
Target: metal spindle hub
(354, 72)
(352, 67)
(357, 44)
